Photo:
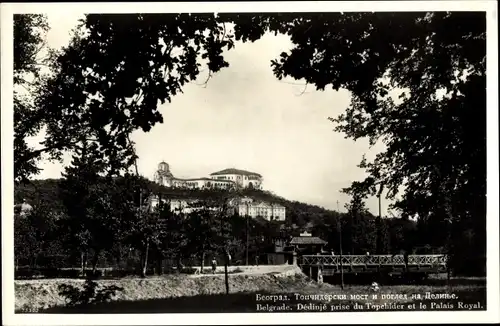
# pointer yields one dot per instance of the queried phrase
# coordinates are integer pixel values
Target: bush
(90, 294)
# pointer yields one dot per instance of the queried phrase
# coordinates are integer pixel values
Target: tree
(139, 226)
(174, 236)
(203, 233)
(359, 228)
(221, 236)
(29, 39)
(103, 88)
(92, 222)
(383, 241)
(29, 42)
(402, 232)
(434, 132)
(26, 243)
(36, 236)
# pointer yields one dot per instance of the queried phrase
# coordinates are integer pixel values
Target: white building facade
(226, 179)
(269, 211)
(242, 178)
(242, 206)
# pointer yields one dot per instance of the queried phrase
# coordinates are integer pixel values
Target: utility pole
(223, 216)
(380, 205)
(340, 241)
(378, 245)
(248, 235)
(379, 221)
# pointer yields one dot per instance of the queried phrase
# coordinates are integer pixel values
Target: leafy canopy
(110, 79)
(434, 133)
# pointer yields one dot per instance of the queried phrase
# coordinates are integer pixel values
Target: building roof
(256, 203)
(307, 241)
(203, 179)
(236, 171)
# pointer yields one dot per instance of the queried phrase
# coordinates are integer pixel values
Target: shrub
(90, 294)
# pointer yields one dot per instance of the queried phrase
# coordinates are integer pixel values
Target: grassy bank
(35, 295)
(246, 302)
(182, 294)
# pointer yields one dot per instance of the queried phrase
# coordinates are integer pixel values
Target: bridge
(390, 264)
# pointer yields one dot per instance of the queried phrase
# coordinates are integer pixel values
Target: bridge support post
(294, 258)
(310, 272)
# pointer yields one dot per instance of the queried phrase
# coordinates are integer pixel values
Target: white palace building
(225, 179)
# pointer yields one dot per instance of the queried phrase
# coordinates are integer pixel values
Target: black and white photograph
(280, 162)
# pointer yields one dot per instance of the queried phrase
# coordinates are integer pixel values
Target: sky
(246, 118)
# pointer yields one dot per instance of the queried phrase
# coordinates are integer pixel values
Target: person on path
(320, 276)
(214, 265)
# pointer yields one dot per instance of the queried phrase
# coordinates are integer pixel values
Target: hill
(301, 214)
(359, 233)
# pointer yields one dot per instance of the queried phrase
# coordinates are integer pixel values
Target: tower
(163, 175)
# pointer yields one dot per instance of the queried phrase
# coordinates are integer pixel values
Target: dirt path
(254, 270)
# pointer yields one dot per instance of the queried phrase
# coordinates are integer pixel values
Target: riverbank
(34, 295)
(206, 293)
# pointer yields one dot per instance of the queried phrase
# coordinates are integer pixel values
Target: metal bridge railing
(325, 260)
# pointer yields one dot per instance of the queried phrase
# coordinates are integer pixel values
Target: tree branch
(303, 91)
(204, 84)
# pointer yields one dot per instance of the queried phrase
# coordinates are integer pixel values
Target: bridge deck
(373, 263)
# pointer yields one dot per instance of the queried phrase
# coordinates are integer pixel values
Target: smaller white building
(269, 211)
(242, 206)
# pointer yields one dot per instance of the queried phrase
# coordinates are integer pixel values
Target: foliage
(29, 43)
(203, 230)
(434, 132)
(90, 294)
(34, 234)
(101, 89)
(358, 229)
(172, 235)
(434, 162)
(189, 235)
(92, 207)
(29, 34)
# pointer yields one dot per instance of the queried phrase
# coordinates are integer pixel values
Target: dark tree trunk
(86, 255)
(82, 259)
(202, 262)
(145, 265)
(94, 262)
(179, 263)
(226, 276)
(159, 263)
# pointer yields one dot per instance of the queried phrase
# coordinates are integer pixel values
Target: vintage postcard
(250, 162)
